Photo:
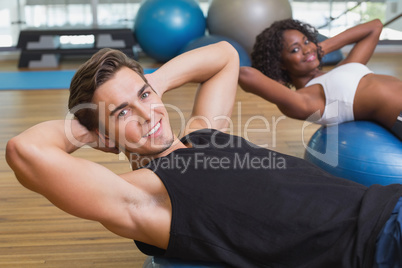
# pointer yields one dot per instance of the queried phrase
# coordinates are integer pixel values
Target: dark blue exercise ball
(360, 151)
(159, 262)
(212, 39)
(163, 27)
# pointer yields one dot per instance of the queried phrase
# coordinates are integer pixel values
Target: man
(209, 196)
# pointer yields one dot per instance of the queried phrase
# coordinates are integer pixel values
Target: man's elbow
(231, 52)
(12, 152)
(16, 153)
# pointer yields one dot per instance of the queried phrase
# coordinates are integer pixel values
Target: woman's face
(299, 54)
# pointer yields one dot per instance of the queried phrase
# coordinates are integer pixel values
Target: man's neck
(138, 161)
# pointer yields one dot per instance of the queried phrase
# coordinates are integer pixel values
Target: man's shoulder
(203, 132)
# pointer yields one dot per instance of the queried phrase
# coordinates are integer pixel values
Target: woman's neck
(301, 81)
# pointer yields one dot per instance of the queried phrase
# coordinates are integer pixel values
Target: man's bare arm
(41, 160)
(216, 68)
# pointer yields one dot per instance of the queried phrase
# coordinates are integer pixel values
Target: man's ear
(100, 134)
(107, 144)
(103, 138)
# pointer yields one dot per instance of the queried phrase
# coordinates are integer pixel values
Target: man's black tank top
(246, 206)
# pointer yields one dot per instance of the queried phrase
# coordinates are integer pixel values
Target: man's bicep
(215, 99)
(80, 187)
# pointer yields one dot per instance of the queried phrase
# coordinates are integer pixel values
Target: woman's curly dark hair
(266, 55)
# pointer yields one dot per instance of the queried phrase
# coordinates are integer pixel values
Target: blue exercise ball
(212, 39)
(332, 58)
(360, 151)
(159, 262)
(164, 27)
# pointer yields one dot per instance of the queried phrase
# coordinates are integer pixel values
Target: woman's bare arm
(291, 103)
(365, 37)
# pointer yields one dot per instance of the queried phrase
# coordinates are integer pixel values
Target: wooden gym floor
(33, 233)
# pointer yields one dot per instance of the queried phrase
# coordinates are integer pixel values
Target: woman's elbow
(245, 74)
(377, 25)
(245, 71)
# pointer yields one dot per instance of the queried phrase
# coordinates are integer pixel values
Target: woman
(287, 54)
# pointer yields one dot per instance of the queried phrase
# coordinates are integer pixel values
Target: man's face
(133, 115)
